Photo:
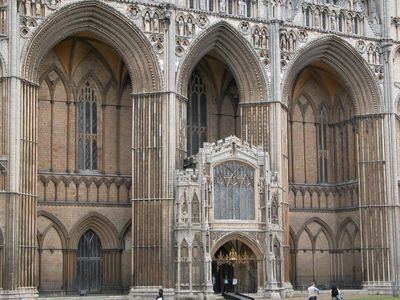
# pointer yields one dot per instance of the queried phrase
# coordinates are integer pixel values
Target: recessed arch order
(355, 74)
(240, 59)
(107, 23)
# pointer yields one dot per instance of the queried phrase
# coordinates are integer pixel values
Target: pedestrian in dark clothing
(160, 295)
(335, 293)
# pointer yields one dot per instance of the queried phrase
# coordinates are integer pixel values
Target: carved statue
(181, 25)
(242, 7)
(146, 21)
(222, 5)
(38, 8)
(256, 39)
(349, 24)
(333, 22)
(156, 23)
(189, 27)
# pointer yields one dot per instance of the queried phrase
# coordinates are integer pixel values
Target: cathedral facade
(198, 146)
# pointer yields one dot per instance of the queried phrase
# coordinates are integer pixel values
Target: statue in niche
(23, 9)
(349, 24)
(376, 57)
(333, 22)
(264, 39)
(370, 54)
(242, 7)
(189, 27)
(283, 42)
(317, 18)
(181, 26)
(202, 4)
(146, 21)
(256, 38)
(156, 23)
(39, 9)
(292, 43)
(222, 5)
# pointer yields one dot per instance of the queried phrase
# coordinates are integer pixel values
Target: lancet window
(87, 128)
(323, 146)
(233, 191)
(197, 114)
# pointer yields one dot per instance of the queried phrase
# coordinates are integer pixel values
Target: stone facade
(173, 145)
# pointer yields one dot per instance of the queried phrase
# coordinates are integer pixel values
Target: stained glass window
(233, 191)
(197, 114)
(87, 128)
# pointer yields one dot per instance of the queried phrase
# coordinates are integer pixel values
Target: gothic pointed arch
(228, 42)
(324, 227)
(349, 221)
(60, 75)
(57, 225)
(102, 226)
(354, 72)
(108, 24)
(245, 239)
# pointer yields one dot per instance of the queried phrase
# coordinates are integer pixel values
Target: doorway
(234, 268)
(89, 261)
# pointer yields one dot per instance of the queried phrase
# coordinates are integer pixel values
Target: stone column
(279, 150)
(391, 154)
(70, 257)
(374, 203)
(19, 194)
(152, 205)
(111, 270)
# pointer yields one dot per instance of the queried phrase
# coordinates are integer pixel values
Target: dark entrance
(89, 263)
(234, 268)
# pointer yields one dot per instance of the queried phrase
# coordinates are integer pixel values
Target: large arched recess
(354, 72)
(108, 24)
(242, 61)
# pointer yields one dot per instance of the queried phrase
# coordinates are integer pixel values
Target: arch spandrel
(107, 23)
(355, 73)
(239, 57)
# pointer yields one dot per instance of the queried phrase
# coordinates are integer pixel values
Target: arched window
(191, 3)
(248, 7)
(197, 114)
(323, 146)
(356, 25)
(308, 16)
(341, 20)
(87, 128)
(210, 5)
(324, 19)
(233, 191)
(230, 7)
(89, 258)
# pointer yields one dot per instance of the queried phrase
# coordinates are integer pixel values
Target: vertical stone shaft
(255, 124)
(373, 202)
(27, 242)
(152, 205)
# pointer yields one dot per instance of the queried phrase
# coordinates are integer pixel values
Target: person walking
(160, 295)
(335, 293)
(312, 292)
